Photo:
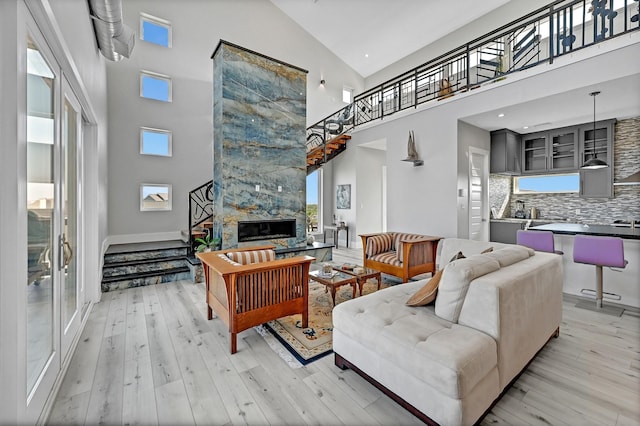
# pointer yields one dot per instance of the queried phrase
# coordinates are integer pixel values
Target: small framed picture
(343, 197)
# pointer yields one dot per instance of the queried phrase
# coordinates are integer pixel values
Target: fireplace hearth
(257, 230)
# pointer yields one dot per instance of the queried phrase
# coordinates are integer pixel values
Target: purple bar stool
(537, 240)
(599, 251)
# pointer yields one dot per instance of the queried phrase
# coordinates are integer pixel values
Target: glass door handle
(68, 253)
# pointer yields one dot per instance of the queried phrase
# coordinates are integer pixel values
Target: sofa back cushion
(252, 256)
(456, 278)
(509, 255)
(380, 243)
(449, 247)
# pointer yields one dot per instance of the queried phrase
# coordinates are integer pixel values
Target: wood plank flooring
(148, 356)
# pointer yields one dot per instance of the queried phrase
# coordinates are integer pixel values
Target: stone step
(144, 279)
(140, 264)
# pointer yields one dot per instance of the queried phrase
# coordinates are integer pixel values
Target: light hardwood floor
(149, 356)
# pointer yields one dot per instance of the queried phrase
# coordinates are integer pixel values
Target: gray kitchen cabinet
(596, 183)
(504, 231)
(505, 152)
(534, 152)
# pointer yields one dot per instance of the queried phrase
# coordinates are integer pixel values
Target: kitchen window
(545, 184)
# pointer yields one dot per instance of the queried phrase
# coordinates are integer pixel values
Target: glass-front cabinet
(563, 149)
(534, 148)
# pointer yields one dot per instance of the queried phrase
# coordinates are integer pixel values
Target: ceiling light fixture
(594, 162)
(500, 115)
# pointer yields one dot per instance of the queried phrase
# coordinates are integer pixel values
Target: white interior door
(478, 194)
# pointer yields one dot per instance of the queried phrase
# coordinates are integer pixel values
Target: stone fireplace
(258, 230)
(259, 150)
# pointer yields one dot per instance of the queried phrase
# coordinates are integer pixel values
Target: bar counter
(624, 283)
(603, 230)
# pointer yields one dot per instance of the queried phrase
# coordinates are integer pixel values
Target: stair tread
(127, 277)
(146, 246)
(141, 261)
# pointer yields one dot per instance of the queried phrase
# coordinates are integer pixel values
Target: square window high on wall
(155, 142)
(155, 86)
(155, 30)
(155, 197)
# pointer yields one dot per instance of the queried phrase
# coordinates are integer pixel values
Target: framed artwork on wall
(343, 197)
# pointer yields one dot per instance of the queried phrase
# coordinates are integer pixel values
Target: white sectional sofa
(449, 361)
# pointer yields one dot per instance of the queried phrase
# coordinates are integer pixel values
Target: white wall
(197, 28)
(369, 181)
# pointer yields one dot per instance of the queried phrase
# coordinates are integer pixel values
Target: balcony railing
(550, 32)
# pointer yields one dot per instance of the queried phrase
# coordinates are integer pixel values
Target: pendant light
(594, 162)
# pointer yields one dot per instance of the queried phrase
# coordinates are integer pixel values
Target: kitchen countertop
(516, 220)
(576, 228)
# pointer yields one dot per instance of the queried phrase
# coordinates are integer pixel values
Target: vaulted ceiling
(369, 35)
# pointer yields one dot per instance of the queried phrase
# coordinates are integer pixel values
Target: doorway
(478, 194)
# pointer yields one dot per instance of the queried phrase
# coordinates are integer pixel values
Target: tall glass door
(54, 232)
(42, 216)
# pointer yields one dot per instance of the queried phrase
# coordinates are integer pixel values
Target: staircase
(140, 264)
(328, 138)
(326, 152)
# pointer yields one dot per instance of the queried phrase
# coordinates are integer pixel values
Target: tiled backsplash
(626, 202)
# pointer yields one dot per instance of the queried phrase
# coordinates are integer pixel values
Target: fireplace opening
(255, 230)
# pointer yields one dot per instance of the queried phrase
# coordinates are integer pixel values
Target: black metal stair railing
(200, 209)
(561, 27)
(326, 130)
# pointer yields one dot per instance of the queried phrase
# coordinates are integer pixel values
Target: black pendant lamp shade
(594, 162)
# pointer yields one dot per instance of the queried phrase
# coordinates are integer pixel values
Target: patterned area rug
(314, 342)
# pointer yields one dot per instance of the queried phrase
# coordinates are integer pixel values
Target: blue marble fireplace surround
(259, 151)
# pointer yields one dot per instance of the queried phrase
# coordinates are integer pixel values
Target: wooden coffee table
(336, 281)
(364, 276)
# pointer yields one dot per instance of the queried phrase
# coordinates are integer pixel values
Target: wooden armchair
(399, 254)
(246, 295)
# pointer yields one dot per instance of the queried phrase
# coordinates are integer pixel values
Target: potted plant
(208, 243)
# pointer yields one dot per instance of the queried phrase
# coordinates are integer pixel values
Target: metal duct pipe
(115, 39)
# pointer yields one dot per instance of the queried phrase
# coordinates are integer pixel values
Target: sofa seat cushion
(448, 357)
(389, 257)
(455, 282)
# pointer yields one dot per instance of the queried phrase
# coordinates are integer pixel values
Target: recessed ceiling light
(501, 115)
(366, 55)
(525, 127)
